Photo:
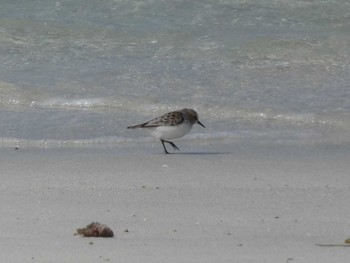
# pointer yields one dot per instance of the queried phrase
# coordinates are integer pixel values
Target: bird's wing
(168, 119)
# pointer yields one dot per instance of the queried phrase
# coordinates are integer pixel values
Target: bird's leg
(166, 152)
(173, 145)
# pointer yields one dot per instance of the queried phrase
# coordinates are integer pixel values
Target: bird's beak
(201, 124)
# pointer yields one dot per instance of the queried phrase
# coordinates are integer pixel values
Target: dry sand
(224, 201)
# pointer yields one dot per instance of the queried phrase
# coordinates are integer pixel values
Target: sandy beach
(215, 201)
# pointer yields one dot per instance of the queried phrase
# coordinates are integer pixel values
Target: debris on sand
(95, 229)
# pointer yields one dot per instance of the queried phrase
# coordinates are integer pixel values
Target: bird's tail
(134, 127)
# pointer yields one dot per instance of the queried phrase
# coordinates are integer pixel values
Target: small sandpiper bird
(171, 125)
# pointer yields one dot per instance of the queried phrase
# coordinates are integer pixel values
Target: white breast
(171, 132)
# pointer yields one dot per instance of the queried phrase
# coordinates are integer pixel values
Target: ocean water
(78, 72)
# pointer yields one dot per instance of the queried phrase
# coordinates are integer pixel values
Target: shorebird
(171, 125)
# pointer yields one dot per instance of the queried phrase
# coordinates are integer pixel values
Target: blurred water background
(78, 72)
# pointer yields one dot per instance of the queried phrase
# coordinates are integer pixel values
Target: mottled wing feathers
(168, 119)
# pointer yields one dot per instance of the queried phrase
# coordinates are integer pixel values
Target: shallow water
(81, 71)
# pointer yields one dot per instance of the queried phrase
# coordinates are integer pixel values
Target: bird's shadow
(195, 153)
